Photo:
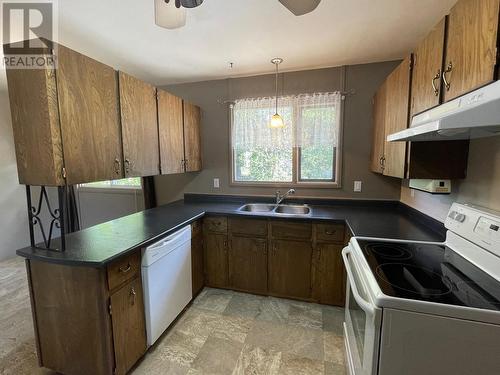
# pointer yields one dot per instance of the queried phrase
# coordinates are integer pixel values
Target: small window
(126, 183)
(305, 151)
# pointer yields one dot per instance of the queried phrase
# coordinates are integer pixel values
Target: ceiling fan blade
(300, 7)
(191, 3)
(168, 16)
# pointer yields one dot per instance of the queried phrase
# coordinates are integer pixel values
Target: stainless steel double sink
(280, 209)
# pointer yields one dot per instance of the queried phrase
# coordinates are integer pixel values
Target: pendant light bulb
(276, 120)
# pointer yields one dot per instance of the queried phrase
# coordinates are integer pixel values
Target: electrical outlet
(216, 183)
(357, 186)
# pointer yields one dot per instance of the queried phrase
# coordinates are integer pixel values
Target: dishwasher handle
(170, 239)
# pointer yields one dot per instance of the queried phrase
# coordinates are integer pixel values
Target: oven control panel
(477, 224)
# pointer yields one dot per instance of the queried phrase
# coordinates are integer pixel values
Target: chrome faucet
(280, 198)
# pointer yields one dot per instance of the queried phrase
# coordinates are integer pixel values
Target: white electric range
(415, 308)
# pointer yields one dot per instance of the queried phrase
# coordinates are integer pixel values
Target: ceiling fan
(171, 14)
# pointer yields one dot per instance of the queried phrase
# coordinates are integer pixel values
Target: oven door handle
(366, 306)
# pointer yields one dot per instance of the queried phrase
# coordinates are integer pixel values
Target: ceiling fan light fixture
(168, 15)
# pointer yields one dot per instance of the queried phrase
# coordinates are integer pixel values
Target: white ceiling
(249, 33)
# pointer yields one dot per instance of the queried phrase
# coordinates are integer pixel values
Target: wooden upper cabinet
(171, 131)
(89, 116)
(35, 124)
(378, 142)
(139, 127)
(192, 137)
(471, 48)
(396, 118)
(427, 70)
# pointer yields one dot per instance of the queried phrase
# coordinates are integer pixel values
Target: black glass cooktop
(430, 273)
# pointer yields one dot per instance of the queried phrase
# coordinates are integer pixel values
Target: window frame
(296, 165)
(88, 187)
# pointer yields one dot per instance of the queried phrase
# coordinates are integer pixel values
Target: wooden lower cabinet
(248, 264)
(216, 260)
(127, 317)
(197, 272)
(290, 268)
(330, 274)
(81, 325)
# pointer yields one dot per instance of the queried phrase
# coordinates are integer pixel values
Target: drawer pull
(126, 269)
(330, 232)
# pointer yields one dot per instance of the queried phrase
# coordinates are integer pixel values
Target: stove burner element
(413, 279)
(390, 251)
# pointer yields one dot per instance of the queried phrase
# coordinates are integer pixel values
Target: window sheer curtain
(311, 121)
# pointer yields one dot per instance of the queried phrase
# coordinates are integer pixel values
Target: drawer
(254, 227)
(123, 269)
(217, 224)
(330, 232)
(196, 228)
(291, 230)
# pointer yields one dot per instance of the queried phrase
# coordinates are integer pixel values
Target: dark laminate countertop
(98, 245)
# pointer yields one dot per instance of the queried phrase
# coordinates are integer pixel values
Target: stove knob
(460, 218)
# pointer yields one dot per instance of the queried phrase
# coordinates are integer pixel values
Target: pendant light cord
(276, 87)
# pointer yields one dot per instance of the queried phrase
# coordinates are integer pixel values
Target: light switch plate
(357, 186)
(216, 183)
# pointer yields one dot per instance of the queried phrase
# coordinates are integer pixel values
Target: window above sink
(305, 152)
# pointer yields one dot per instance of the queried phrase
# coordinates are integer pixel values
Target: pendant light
(276, 120)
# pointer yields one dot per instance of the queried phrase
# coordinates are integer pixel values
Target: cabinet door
(216, 260)
(129, 330)
(248, 264)
(170, 128)
(427, 70)
(290, 268)
(198, 278)
(396, 118)
(139, 127)
(192, 140)
(33, 100)
(90, 125)
(471, 52)
(331, 278)
(377, 155)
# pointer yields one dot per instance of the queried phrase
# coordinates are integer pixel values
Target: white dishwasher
(166, 279)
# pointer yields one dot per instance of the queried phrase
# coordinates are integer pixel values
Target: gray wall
(363, 79)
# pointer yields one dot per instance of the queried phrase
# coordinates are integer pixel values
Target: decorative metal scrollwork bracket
(55, 219)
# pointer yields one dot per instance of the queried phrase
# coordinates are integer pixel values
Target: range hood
(474, 115)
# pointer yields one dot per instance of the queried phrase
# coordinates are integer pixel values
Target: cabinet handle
(449, 68)
(126, 269)
(133, 294)
(436, 78)
(382, 162)
(127, 166)
(330, 233)
(186, 161)
(117, 166)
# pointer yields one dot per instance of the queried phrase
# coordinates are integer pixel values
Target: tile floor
(222, 332)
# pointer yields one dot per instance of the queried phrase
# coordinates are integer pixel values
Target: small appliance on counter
(424, 307)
